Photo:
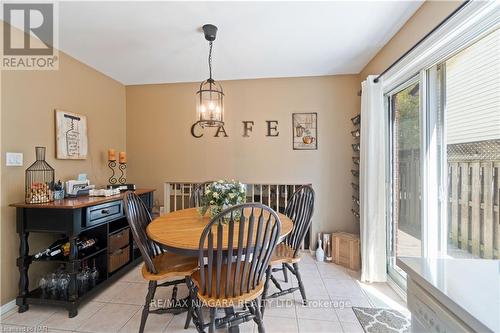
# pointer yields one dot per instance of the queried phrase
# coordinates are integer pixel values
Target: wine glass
(94, 275)
(85, 277)
(52, 284)
(42, 283)
(81, 282)
(62, 285)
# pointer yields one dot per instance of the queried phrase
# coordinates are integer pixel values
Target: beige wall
(27, 119)
(162, 149)
(426, 18)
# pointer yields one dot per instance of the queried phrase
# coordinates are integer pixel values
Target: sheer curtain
(372, 182)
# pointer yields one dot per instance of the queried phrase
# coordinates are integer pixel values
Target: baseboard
(397, 289)
(7, 307)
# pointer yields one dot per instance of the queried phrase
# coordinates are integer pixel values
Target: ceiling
(162, 42)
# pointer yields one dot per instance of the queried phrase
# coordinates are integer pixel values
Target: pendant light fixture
(210, 97)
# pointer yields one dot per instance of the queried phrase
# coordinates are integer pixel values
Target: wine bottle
(53, 250)
(84, 244)
(62, 247)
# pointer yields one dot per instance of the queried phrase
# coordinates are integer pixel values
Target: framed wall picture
(71, 135)
(305, 131)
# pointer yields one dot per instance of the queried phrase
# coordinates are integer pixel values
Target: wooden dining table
(180, 231)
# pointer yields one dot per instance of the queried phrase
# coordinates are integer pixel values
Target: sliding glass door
(445, 158)
(404, 229)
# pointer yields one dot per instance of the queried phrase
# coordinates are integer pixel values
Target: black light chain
(210, 59)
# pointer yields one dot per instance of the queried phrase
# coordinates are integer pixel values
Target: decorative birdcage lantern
(39, 182)
(210, 96)
(210, 104)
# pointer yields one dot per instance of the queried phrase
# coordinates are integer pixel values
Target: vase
(320, 254)
(58, 194)
(202, 210)
(215, 210)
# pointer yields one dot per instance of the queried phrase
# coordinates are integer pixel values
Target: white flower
(224, 192)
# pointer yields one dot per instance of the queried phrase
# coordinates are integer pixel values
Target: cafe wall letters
(71, 135)
(304, 128)
(271, 129)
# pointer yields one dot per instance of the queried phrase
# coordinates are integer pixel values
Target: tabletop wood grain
(181, 230)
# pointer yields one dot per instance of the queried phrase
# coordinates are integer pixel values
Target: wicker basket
(119, 240)
(118, 258)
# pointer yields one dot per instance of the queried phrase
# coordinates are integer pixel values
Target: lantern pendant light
(210, 97)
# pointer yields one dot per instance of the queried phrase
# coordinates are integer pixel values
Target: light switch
(14, 159)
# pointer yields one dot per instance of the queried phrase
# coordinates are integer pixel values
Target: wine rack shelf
(66, 260)
(89, 217)
(37, 296)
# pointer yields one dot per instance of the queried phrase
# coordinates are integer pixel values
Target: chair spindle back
(300, 209)
(237, 244)
(138, 219)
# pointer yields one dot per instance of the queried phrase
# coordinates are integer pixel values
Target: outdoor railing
(177, 196)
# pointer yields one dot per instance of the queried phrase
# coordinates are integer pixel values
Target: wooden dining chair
(299, 209)
(197, 193)
(158, 264)
(234, 252)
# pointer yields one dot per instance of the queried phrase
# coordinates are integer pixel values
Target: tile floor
(331, 289)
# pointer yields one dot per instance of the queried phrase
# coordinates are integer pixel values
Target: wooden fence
(473, 212)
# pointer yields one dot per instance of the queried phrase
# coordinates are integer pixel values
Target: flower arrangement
(223, 194)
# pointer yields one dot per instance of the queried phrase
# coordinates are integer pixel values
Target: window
(472, 138)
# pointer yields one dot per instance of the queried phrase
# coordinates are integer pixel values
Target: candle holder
(112, 165)
(122, 167)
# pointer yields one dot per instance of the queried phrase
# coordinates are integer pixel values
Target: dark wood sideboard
(102, 218)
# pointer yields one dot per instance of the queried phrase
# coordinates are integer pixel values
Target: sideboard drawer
(103, 213)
